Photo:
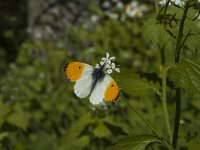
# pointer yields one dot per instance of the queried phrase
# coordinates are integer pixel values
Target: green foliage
(38, 107)
(3, 135)
(134, 143)
(186, 74)
(194, 143)
(72, 139)
(156, 33)
(134, 85)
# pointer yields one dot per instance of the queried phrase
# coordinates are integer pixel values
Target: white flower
(134, 9)
(112, 15)
(105, 60)
(94, 18)
(109, 71)
(108, 64)
(113, 65)
(117, 70)
(102, 63)
(97, 66)
(106, 4)
(177, 2)
(119, 5)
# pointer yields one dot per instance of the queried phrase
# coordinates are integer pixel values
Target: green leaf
(194, 143)
(133, 84)
(134, 143)
(186, 74)
(3, 135)
(101, 131)
(72, 139)
(19, 119)
(156, 33)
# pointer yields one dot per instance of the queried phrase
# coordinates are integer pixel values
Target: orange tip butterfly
(94, 81)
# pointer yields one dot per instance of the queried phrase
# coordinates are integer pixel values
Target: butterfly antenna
(63, 67)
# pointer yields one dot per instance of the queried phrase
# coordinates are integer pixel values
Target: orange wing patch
(112, 91)
(74, 70)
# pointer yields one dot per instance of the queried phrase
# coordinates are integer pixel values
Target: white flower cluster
(177, 2)
(134, 9)
(108, 63)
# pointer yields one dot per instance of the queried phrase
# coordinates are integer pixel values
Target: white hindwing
(97, 96)
(83, 86)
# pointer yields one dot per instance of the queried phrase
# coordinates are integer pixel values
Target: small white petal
(107, 55)
(113, 65)
(104, 59)
(97, 66)
(117, 69)
(109, 71)
(107, 66)
(102, 63)
(112, 58)
(108, 61)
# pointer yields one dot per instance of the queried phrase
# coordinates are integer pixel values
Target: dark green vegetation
(159, 55)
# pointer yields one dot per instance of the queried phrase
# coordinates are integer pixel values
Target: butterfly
(93, 81)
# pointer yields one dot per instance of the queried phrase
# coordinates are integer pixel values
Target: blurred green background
(38, 109)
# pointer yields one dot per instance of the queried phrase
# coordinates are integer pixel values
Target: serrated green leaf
(19, 119)
(193, 42)
(133, 84)
(186, 74)
(156, 33)
(134, 143)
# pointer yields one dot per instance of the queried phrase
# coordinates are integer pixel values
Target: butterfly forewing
(75, 70)
(80, 73)
(83, 86)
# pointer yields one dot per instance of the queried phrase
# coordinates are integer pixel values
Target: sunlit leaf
(186, 74)
(156, 33)
(134, 143)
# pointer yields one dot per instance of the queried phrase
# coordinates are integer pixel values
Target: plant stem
(164, 102)
(180, 33)
(177, 118)
(156, 7)
(164, 95)
(166, 6)
(145, 121)
(179, 45)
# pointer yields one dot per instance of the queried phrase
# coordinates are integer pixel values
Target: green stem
(179, 45)
(164, 95)
(146, 122)
(177, 117)
(180, 33)
(164, 102)
(156, 7)
(166, 6)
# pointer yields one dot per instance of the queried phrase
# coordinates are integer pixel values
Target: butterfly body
(91, 81)
(98, 75)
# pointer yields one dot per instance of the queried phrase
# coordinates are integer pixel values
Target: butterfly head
(107, 64)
